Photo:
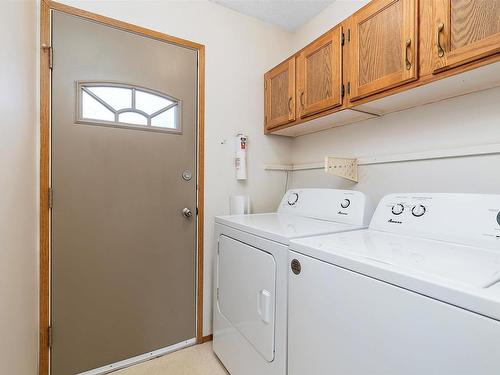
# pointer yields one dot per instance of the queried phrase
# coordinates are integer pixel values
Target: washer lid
(281, 227)
(466, 276)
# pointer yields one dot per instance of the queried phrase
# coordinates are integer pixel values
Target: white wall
(469, 120)
(18, 220)
(239, 50)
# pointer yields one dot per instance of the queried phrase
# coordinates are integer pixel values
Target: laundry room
(271, 187)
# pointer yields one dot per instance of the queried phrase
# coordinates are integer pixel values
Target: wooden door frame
(46, 6)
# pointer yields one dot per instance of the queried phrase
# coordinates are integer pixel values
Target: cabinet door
(319, 74)
(383, 46)
(280, 95)
(465, 30)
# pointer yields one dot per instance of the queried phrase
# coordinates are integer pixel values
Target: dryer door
(246, 292)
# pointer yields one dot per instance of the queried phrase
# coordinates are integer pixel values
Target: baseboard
(206, 339)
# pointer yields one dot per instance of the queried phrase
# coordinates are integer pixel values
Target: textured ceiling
(287, 14)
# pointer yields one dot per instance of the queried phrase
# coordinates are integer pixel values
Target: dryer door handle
(264, 305)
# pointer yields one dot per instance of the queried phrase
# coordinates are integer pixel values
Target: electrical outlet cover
(343, 167)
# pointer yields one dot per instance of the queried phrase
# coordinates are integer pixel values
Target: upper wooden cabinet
(279, 95)
(464, 30)
(390, 55)
(319, 74)
(383, 46)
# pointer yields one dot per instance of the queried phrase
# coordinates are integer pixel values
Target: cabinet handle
(290, 104)
(407, 60)
(440, 28)
(302, 99)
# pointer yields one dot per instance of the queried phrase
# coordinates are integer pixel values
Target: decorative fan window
(122, 105)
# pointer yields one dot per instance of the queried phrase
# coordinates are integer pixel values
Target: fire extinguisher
(241, 157)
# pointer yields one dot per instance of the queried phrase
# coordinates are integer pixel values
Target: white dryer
(416, 293)
(250, 287)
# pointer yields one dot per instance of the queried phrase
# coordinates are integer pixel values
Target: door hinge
(217, 294)
(49, 337)
(348, 35)
(349, 87)
(51, 197)
(342, 90)
(343, 38)
(196, 211)
(50, 51)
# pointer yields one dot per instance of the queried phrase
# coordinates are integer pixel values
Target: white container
(239, 204)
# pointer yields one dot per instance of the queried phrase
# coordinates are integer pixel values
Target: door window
(123, 105)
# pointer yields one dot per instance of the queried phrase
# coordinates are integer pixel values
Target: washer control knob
(293, 198)
(418, 210)
(498, 218)
(398, 209)
(345, 203)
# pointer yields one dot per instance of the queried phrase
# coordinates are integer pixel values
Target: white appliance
(418, 293)
(250, 296)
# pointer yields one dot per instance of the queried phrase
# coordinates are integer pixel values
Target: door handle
(290, 104)
(187, 212)
(264, 305)
(407, 59)
(302, 99)
(440, 28)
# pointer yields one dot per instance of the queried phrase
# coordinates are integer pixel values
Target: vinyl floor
(195, 360)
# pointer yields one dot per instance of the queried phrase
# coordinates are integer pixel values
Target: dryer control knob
(293, 198)
(345, 203)
(418, 210)
(498, 218)
(398, 209)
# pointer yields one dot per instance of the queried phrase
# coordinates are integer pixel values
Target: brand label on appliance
(296, 267)
(394, 221)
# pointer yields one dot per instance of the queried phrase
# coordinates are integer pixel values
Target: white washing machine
(418, 293)
(250, 296)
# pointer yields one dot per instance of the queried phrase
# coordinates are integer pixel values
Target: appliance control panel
(469, 219)
(343, 206)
